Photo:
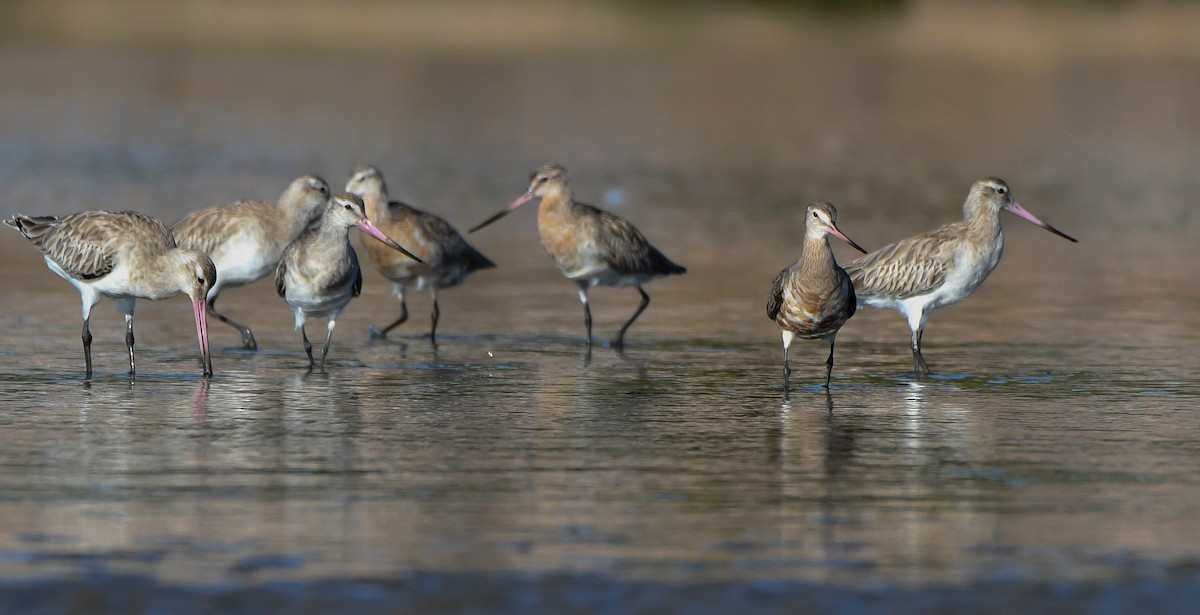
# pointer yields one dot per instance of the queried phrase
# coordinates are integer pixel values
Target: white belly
(970, 269)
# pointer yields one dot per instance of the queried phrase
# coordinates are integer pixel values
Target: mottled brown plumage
(126, 256)
(245, 239)
(942, 267)
(318, 273)
(814, 297)
(590, 246)
(448, 258)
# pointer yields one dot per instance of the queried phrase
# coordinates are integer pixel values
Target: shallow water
(1050, 461)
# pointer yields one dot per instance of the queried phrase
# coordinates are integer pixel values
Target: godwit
(448, 258)
(942, 267)
(318, 273)
(814, 297)
(246, 238)
(126, 256)
(590, 246)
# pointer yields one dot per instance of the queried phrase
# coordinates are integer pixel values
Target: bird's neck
(158, 278)
(817, 254)
(982, 223)
(556, 203)
(296, 216)
(377, 206)
(331, 233)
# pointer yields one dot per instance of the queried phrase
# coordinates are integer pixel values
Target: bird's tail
(476, 260)
(32, 227)
(663, 265)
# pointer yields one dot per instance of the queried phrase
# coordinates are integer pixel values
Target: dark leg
(787, 368)
(87, 347)
(248, 341)
(129, 342)
(587, 312)
(437, 312)
(829, 365)
(325, 348)
(619, 341)
(376, 334)
(307, 348)
(919, 365)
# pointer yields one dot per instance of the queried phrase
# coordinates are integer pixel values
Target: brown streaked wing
(453, 245)
(623, 247)
(281, 276)
(85, 245)
(848, 285)
(204, 230)
(455, 249)
(904, 269)
(775, 299)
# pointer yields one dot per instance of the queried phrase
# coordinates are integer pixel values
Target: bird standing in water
(318, 273)
(919, 274)
(126, 256)
(448, 259)
(246, 238)
(590, 246)
(814, 297)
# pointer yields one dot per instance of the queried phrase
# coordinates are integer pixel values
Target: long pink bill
(833, 230)
(200, 309)
(369, 228)
(521, 200)
(1020, 211)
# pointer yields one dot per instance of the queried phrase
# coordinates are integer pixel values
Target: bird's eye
(348, 208)
(815, 215)
(1001, 190)
(201, 280)
(542, 180)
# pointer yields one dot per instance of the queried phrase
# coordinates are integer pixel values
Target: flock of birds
(304, 239)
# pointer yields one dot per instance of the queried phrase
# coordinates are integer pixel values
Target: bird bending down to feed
(590, 246)
(814, 297)
(318, 273)
(448, 259)
(246, 238)
(919, 274)
(126, 256)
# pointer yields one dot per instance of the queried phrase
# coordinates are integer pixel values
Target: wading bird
(590, 246)
(919, 274)
(814, 297)
(318, 273)
(448, 258)
(126, 256)
(246, 238)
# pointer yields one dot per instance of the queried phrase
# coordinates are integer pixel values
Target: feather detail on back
(280, 278)
(775, 299)
(207, 229)
(623, 247)
(454, 248)
(907, 268)
(85, 245)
